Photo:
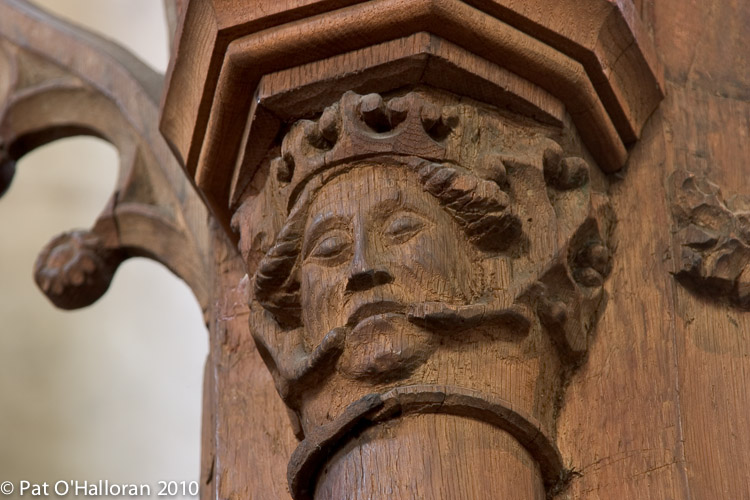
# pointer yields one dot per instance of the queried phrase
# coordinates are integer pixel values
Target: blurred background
(112, 391)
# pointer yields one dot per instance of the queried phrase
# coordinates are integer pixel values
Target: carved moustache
(439, 317)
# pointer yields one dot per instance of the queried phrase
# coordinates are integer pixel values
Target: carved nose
(366, 279)
(365, 271)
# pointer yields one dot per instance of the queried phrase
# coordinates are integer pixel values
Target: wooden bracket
(47, 94)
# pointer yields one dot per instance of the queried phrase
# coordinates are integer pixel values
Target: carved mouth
(378, 308)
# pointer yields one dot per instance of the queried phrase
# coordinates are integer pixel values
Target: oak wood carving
(449, 249)
(714, 239)
(424, 228)
(406, 247)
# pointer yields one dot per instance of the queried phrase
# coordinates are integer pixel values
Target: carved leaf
(713, 237)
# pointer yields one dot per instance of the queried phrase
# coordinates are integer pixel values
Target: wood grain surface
(421, 276)
(660, 410)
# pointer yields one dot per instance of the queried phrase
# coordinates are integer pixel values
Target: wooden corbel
(266, 65)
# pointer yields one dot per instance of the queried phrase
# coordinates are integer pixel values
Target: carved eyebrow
(321, 224)
(385, 207)
(388, 207)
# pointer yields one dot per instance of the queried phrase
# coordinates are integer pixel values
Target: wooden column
(445, 249)
(418, 193)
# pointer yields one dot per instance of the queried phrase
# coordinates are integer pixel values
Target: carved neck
(449, 457)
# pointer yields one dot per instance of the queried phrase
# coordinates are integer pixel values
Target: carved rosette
(712, 239)
(75, 269)
(418, 254)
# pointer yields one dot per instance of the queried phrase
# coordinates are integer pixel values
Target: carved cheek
(441, 262)
(321, 295)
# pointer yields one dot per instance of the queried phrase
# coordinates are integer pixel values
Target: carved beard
(398, 359)
(449, 318)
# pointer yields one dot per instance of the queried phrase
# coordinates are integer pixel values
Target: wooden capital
(424, 273)
(413, 188)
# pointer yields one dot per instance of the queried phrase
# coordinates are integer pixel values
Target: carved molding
(62, 82)
(605, 78)
(712, 239)
(512, 271)
(311, 455)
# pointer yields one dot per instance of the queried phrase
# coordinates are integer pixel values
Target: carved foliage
(713, 238)
(75, 269)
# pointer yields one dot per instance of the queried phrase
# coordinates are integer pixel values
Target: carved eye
(330, 246)
(403, 227)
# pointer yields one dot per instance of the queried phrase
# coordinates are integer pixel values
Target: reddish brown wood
(669, 365)
(613, 61)
(421, 277)
(353, 322)
(564, 69)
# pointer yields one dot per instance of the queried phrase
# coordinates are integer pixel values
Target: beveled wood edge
(196, 60)
(181, 97)
(612, 24)
(280, 91)
(268, 51)
(420, 58)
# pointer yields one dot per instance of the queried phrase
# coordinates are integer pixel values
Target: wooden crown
(358, 127)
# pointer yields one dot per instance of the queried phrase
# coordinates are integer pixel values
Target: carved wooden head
(419, 241)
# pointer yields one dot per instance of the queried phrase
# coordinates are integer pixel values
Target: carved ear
(569, 294)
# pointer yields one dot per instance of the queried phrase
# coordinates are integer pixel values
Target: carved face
(374, 243)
